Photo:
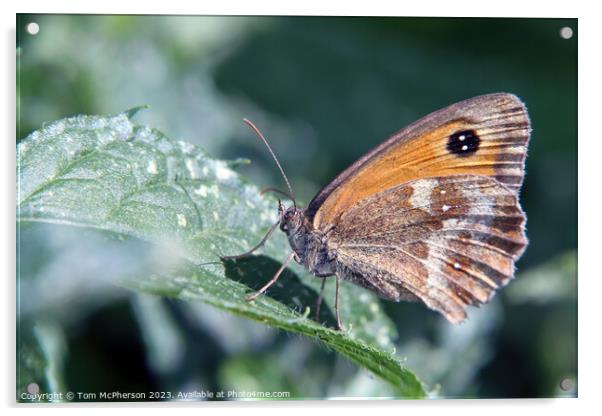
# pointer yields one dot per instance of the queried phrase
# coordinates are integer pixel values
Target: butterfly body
(310, 246)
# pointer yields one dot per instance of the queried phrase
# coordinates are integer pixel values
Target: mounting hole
(32, 28)
(33, 388)
(566, 384)
(566, 32)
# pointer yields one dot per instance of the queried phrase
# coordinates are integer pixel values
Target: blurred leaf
(109, 174)
(41, 348)
(32, 362)
(257, 373)
(552, 281)
(450, 362)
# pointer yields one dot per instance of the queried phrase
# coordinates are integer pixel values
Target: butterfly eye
(463, 143)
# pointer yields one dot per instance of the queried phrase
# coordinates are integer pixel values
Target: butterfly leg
(319, 301)
(336, 303)
(259, 245)
(265, 287)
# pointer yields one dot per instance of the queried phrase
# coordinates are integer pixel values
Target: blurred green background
(324, 91)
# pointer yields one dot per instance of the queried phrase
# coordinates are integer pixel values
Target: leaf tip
(134, 110)
(233, 164)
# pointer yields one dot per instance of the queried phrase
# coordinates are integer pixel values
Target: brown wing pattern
(449, 241)
(498, 124)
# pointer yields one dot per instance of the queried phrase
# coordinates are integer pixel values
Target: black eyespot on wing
(463, 143)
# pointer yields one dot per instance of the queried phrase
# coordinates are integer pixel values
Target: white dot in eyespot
(456, 266)
(443, 192)
(465, 147)
(32, 28)
(462, 138)
(566, 32)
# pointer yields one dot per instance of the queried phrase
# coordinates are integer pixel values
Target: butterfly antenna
(258, 133)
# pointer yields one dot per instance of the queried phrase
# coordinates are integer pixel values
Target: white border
(590, 149)
(465, 8)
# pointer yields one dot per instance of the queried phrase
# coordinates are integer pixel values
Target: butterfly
(432, 214)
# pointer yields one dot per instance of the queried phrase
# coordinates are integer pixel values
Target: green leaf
(109, 174)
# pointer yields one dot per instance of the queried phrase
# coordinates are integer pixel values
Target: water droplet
(122, 127)
(384, 341)
(152, 167)
(186, 147)
(23, 147)
(192, 168)
(201, 191)
(182, 221)
(222, 172)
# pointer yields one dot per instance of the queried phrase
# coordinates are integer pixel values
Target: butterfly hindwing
(486, 135)
(450, 241)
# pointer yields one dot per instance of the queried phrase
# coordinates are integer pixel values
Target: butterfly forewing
(450, 241)
(486, 135)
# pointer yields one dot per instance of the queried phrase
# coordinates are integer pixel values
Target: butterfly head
(291, 218)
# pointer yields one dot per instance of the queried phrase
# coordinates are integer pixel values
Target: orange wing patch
(486, 136)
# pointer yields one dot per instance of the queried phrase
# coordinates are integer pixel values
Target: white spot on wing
(450, 223)
(421, 197)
